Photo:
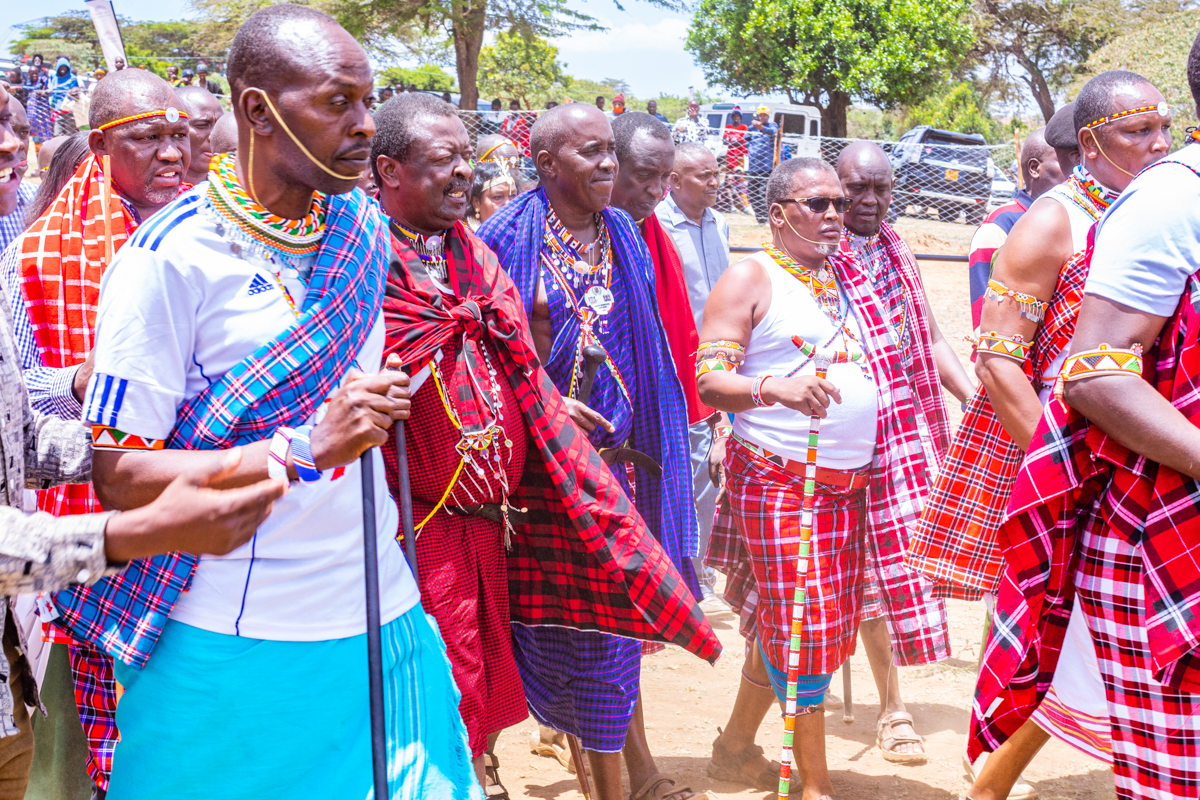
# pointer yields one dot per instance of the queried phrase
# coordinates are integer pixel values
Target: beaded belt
(841, 478)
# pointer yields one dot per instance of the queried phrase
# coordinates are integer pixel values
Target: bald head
(203, 111)
(1040, 167)
(129, 92)
(225, 134)
(555, 127)
(867, 179)
(280, 45)
(863, 156)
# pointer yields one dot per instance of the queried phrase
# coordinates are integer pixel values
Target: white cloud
(665, 35)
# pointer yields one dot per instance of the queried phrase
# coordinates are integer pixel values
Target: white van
(800, 125)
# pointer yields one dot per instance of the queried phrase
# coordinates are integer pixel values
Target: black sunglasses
(819, 205)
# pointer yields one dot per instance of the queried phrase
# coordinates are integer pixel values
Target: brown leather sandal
(660, 787)
(729, 766)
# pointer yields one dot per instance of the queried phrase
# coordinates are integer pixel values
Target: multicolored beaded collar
(1099, 195)
(295, 237)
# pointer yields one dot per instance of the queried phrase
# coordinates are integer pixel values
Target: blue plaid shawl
(281, 383)
(516, 234)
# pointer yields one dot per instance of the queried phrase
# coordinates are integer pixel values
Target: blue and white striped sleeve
(50, 389)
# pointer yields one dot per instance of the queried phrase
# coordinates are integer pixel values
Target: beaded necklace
(588, 287)
(822, 283)
(430, 249)
(294, 237)
(1088, 193)
(874, 247)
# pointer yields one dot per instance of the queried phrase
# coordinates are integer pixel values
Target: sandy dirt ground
(686, 699)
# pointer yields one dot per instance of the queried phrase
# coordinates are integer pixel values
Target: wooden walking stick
(847, 695)
(374, 635)
(821, 360)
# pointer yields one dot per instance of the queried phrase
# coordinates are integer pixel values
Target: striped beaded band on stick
(1028, 306)
(822, 360)
(1104, 360)
(171, 114)
(1014, 347)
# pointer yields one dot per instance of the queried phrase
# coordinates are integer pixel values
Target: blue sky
(643, 44)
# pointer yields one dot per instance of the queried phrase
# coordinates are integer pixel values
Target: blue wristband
(302, 457)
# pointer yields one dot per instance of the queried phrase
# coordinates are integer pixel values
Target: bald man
(1042, 168)
(270, 257)
(224, 135)
(585, 277)
(203, 111)
(15, 193)
(147, 158)
(866, 177)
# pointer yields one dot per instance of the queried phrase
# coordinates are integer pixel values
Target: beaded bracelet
(277, 456)
(302, 456)
(1013, 347)
(1028, 306)
(722, 431)
(756, 391)
(1104, 360)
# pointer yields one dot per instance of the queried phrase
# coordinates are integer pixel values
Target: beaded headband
(170, 113)
(504, 177)
(1162, 108)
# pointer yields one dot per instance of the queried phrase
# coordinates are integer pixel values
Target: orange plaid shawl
(62, 260)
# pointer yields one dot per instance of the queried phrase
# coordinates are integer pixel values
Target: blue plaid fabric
(594, 699)
(13, 225)
(281, 383)
(659, 425)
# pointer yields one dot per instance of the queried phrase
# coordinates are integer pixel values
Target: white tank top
(1081, 222)
(847, 438)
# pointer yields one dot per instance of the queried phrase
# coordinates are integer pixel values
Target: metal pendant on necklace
(433, 243)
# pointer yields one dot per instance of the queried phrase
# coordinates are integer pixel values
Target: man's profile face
(585, 167)
(1131, 143)
(694, 110)
(695, 179)
(431, 189)
(203, 111)
(325, 105)
(797, 224)
(868, 184)
(644, 176)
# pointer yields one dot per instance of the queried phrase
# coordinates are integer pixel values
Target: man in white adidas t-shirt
(248, 313)
(771, 324)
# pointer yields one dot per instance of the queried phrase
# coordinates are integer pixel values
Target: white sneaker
(715, 608)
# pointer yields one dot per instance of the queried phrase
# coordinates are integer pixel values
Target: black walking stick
(371, 564)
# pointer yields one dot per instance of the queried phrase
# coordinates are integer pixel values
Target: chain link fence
(936, 178)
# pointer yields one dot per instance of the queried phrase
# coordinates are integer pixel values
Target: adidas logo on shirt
(258, 285)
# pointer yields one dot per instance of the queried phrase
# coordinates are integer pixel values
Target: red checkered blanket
(1076, 476)
(955, 542)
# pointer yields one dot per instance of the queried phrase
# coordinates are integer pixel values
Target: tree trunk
(469, 20)
(1037, 84)
(833, 115)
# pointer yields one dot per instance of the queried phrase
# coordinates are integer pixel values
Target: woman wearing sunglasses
(772, 325)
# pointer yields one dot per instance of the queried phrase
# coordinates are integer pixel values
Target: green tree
(826, 52)
(959, 107)
(428, 77)
(519, 67)
(1159, 51)
(71, 34)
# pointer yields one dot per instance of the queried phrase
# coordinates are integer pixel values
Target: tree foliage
(1159, 51)
(958, 107)
(519, 67)
(428, 77)
(1041, 46)
(825, 52)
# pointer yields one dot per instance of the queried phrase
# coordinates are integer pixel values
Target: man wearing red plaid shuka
(766, 323)
(1028, 320)
(55, 268)
(867, 180)
(1104, 513)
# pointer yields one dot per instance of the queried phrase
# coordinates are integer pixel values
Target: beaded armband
(756, 391)
(1028, 306)
(719, 356)
(1014, 347)
(1104, 360)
